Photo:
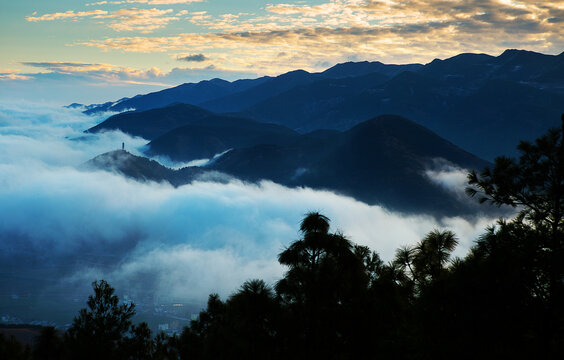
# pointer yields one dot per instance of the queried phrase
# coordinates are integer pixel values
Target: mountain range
(332, 130)
(485, 104)
(383, 161)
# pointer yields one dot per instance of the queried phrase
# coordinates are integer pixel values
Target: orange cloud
(142, 20)
(133, 19)
(100, 74)
(12, 76)
(66, 15)
(342, 30)
(148, 2)
(97, 70)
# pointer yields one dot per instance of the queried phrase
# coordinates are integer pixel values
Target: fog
(61, 228)
(449, 176)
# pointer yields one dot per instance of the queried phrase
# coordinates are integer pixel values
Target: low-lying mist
(62, 228)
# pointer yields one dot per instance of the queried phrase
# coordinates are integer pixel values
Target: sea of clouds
(61, 228)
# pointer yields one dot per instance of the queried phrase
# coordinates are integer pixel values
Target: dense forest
(339, 300)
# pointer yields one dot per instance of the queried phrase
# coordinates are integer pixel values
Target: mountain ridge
(382, 161)
(452, 97)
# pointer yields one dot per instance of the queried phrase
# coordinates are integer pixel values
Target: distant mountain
(492, 120)
(223, 96)
(216, 134)
(140, 168)
(353, 69)
(271, 87)
(185, 132)
(485, 104)
(189, 93)
(504, 99)
(513, 65)
(380, 161)
(153, 123)
(554, 73)
(305, 107)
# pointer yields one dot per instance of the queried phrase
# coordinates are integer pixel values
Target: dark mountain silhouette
(269, 88)
(515, 65)
(216, 134)
(380, 161)
(140, 168)
(353, 69)
(309, 107)
(189, 93)
(474, 94)
(463, 66)
(185, 132)
(153, 123)
(498, 115)
(216, 94)
(465, 99)
(527, 66)
(554, 73)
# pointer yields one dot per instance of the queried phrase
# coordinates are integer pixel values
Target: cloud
(82, 87)
(409, 31)
(142, 20)
(68, 82)
(41, 134)
(106, 72)
(313, 37)
(327, 32)
(165, 2)
(13, 76)
(193, 57)
(67, 15)
(152, 240)
(148, 2)
(139, 20)
(448, 176)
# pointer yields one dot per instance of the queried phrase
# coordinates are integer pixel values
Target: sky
(93, 51)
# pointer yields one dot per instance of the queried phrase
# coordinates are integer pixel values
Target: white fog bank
(184, 242)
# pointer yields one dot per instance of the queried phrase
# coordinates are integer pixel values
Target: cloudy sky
(72, 49)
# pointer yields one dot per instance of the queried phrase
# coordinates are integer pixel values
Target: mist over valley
(204, 197)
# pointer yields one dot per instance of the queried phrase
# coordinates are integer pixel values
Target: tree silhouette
(534, 184)
(139, 345)
(169, 348)
(425, 262)
(252, 312)
(433, 253)
(48, 345)
(99, 331)
(208, 337)
(323, 286)
(371, 260)
(10, 348)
